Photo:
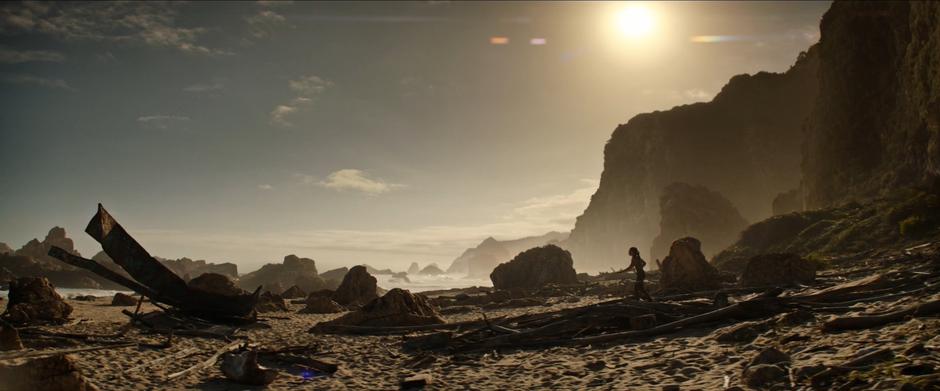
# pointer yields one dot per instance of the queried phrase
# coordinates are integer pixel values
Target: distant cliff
(479, 261)
(744, 144)
(876, 123)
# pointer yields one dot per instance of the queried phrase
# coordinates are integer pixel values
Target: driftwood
(869, 321)
(152, 279)
(208, 363)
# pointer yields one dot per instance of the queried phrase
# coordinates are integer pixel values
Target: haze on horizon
(379, 133)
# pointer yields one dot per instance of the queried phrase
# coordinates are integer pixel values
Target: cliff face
(745, 144)
(876, 123)
(698, 212)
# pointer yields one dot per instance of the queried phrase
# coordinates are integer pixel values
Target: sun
(635, 21)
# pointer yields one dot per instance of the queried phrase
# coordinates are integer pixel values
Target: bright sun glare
(635, 21)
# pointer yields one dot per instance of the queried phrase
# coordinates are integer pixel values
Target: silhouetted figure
(638, 264)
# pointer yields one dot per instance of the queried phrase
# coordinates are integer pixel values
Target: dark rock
(778, 270)
(215, 283)
(804, 373)
(293, 292)
(34, 300)
(332, 278)
(398, 307)
(321, 305)
(696, 211)
(358, 287)
(85, 298)
(123, 300)
(686, 270)
(770, 356)
(762, 375)
(57, 373)
(534, 268)
(269, 302)
(294, 270)
(9, 337)
(431, 270)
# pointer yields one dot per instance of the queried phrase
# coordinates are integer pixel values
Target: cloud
(12, 56)
(307, 88)
(161, 121)
(264, 23)
(204, 87)
(133, 22)
(558, 211)
(280, 113)
(265, 187)
(38, 81)
(357, 180)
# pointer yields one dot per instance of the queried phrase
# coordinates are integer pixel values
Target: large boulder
(358, 287)
(321, 305)
(220, 284)
(534, 268)
(293, 292)
(398, 307)
(686, 270)
(269, 302)
(778, 269)
(332, 278)
(690, 210)
(34, 300)
(123, 300)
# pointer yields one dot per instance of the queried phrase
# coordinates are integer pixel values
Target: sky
(381, 133)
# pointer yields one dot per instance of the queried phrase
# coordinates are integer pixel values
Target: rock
(479, 262)
(804, 373)
(778, 270)
(400, 277)
(9, 338)
(431, 270)
(5, 249)
(332, 278)
(321, 305)
(34, 300)
(690, 210)
(269, 302)
(398, 307)
(759, 376)
(55, 373)
(770, 356)
(686, 270)
(358, 287)
(275, 278)
(123, 300)
(85, 298)
(535, 268)
(215, 283)
(642, 322)
(413, 269)
(293, 292)
(243, 368)
(187, 268)
(416, 382)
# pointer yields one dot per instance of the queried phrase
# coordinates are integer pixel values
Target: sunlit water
(414, 284)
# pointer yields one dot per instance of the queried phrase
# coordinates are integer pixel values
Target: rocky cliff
(698, 212)
(745, 144)
(876, 123)
(274, 277)
(479, 261)
(32, 260)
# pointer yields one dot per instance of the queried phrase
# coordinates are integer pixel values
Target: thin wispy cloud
(265, 23)
(556, 211)
(265, 187)
(351, 179)
(307, 89)
(38, 81)
(160, 121)
(143, 23)
(13, 56)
